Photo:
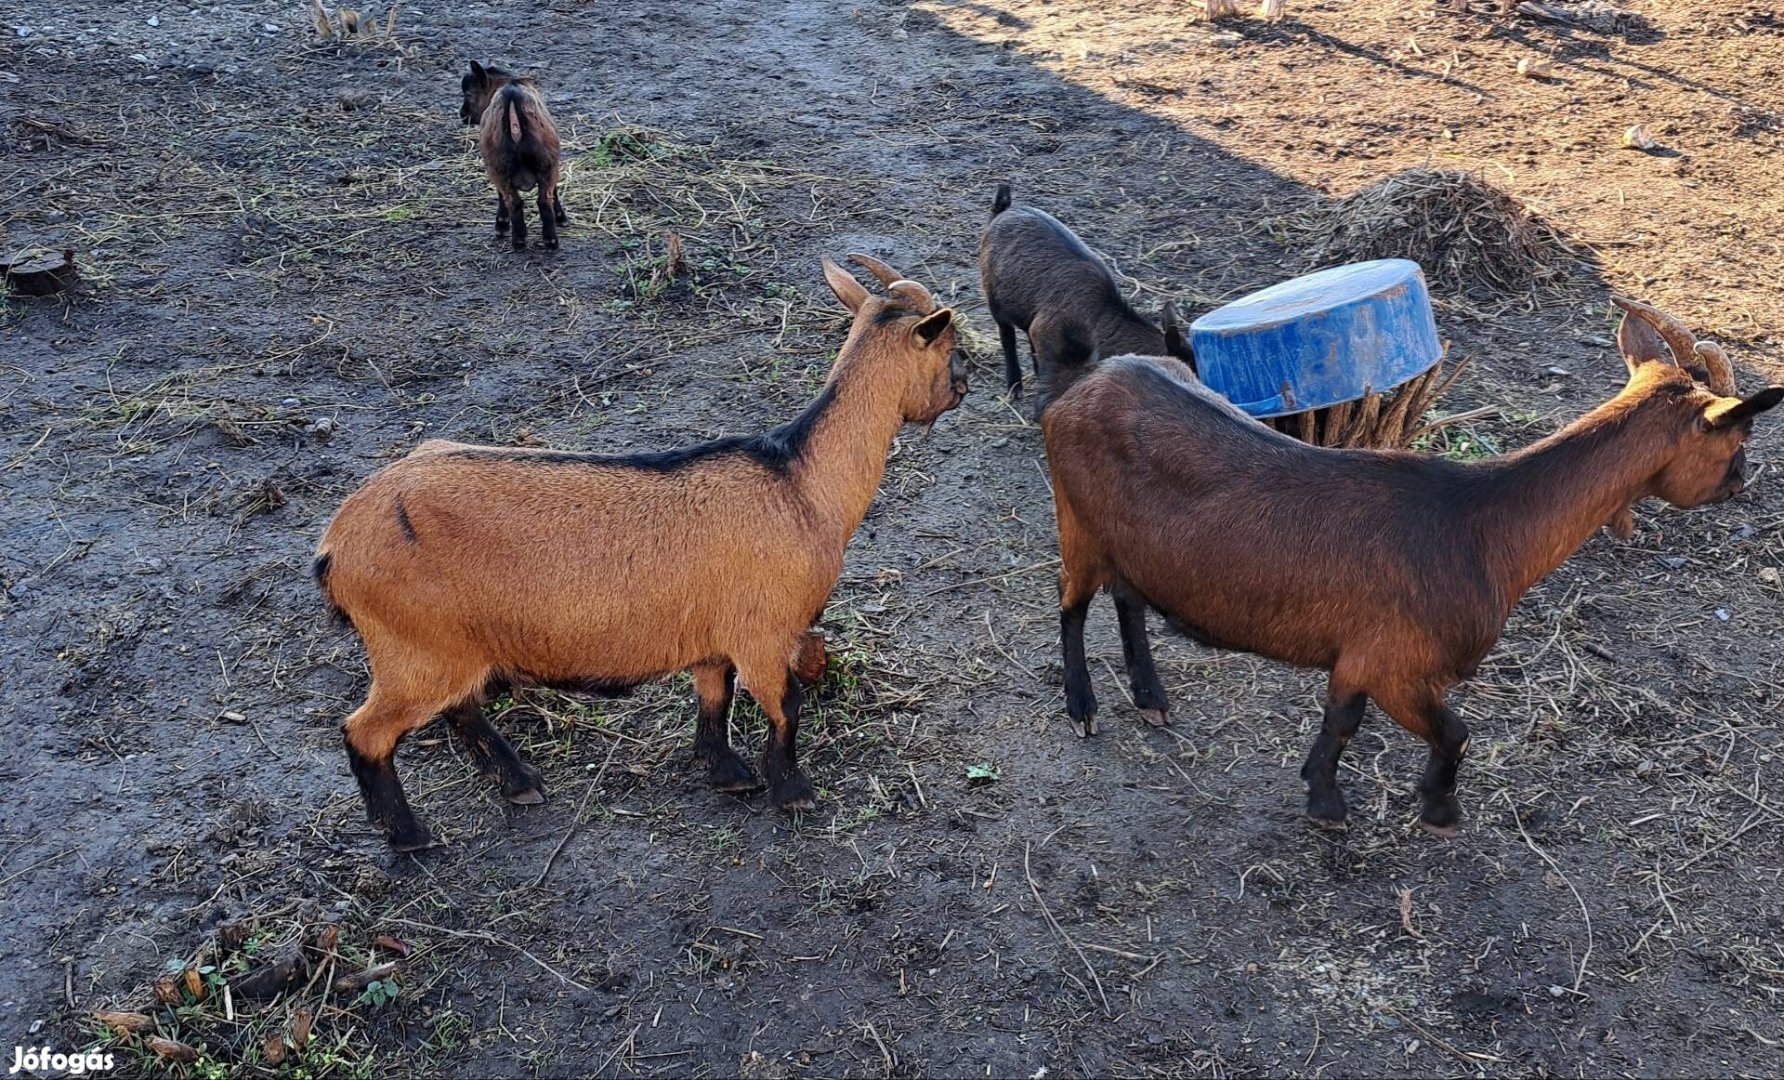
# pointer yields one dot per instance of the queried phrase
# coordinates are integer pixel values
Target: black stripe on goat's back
(403, 522)
(775, 450)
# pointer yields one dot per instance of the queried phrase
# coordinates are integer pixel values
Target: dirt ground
(291, 278)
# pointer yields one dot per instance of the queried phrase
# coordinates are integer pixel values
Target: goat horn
(913, 293)
(1715, 362)
(1680, 341)
(888, 276)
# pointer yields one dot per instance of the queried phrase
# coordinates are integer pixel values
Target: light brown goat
(465, 567)
(1393, 571)
(519, 144)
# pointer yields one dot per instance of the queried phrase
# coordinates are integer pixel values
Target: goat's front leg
(1080, 699)
(1136, 652)
(1424, 714)
(776, 690)
(1441, 814)
(725, 770)
(1344, 714)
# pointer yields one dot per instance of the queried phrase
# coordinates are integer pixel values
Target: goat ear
(1721, 416)
(478, 72)
(843, 284)
(1172, 324)
(933, 324)
(1639, 342)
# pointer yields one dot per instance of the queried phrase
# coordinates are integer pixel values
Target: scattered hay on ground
(1473, 240)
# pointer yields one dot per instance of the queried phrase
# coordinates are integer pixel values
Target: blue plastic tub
(1331, 336)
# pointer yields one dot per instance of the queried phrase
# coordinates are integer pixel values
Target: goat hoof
(1089, 728)
(1156, 717)
(1441, 817)
(794, 793)
(1329, 824)
(552, 244)
(732, 775)
(410, 836)
(1327, 810)
(522, 784)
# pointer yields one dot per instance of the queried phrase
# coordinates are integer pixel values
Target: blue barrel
(1317, 340)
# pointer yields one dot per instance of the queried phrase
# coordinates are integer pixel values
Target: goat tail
(1001, 201)
(1066, 354)
(515, 138)
(319, 569)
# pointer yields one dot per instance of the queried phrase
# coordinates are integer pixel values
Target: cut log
(39, 271)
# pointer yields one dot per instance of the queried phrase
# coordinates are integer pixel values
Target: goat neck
(840, 471)
(1536, 507)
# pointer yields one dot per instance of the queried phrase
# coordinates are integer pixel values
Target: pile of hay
(1472, 239)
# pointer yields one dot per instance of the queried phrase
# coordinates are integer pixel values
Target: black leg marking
(1080, 699)
(385, 804)
(501, 216)
(1440, 813)
(1344, 713)
(788, 786)
(547, 220)
(495, 756)
(1136, 651)
(726, 769)
(518, 215)
(557, 207)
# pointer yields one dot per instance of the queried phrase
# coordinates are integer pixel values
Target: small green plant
(980, 774)
(379, 993)
(1456, 445)
(617, 147)
(449, 1030)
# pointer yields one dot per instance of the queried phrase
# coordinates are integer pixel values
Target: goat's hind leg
(548, 213)
(494, 755)
(517, 211)
(501, 216)
(1136, 651)
(1343, 715)
(1006, 336)
(725, 771)
(371, 735)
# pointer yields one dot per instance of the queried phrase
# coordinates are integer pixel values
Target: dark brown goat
(1041, 279)
(1393, 571)
(468, 567)
(519, 144)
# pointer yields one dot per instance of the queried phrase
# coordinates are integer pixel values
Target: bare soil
(290, 277)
